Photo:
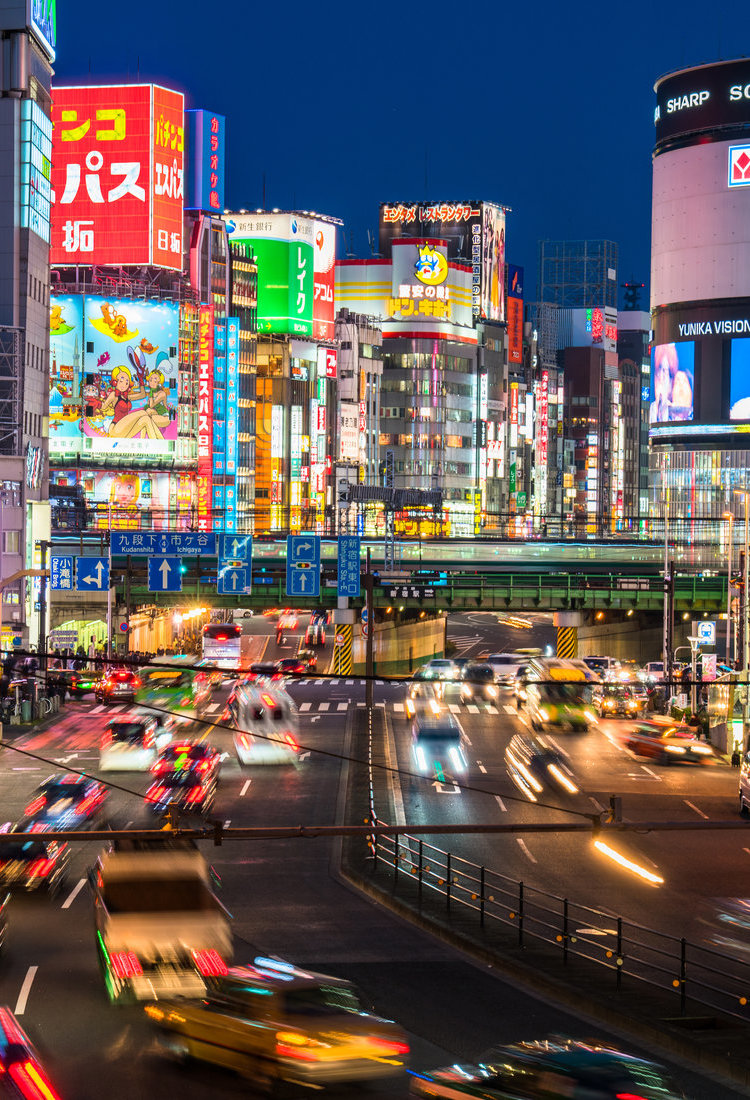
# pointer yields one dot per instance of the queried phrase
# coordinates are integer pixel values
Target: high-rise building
(578, 274)
(28, 33)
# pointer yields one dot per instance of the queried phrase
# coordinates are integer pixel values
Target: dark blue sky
(545, 107)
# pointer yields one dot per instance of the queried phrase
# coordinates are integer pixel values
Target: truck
(160, 929)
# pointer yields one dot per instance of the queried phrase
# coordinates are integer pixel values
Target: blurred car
(185, 789)
(550, 1068)
(242, 613)
(273, 1022)
(668, 742)
(615, 701)
(315, 634)
(267, 726)
(533, 763)
(131, 743)
(320, 615)
(3, 920)
(39, 864)
(441, 668)
(66, 800)
(287, 620)
(627, 672)
(79, 682)
(290, 666)
(22, 1076)
(438, 743)
(197, 756)
(118, 686)
(505, 666)
(263, 670)
(478, 682)
(653, 672)
(605, 667)
(310, 659)
(519, 685)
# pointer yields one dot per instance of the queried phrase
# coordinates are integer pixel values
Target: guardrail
(440, 883)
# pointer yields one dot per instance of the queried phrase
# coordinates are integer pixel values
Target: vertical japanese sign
(232, 444)
(284, 247)
(219, 402)
(542, 430)
(206, 153)
(117, 176)
(324, 265)
(204, 480)
(515, 314)
(513, 441)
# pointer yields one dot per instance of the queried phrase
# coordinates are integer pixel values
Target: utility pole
(127, 604)
(44, 547)
(369, 649)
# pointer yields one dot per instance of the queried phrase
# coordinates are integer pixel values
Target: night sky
(544, 107)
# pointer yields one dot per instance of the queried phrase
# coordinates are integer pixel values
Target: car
(478, 682)
(441, 668)
(287, 620)
(263, 670)
(197, 756)
(184, 788)
(118, 686)
(438, 743)
(315, 634)
(534, 763)
(605, 667)
(272, 1022)
(290, 666)
(519, 685)
(505, 666)
(310, 659)
(242, 613)
(267, 724)
(132, 742)
(653, 672)
(30, 865)
(67, 800)
(745, 785)
(320, 615)
(667, 742)
(550, 1068)
(615, 700)
(22, 1076)
(79, 682)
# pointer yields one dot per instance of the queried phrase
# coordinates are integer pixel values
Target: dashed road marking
(323, 706)
(508, 709)
(694, 807)
(343, 706)
(245, 786)
(23, 996)
(501, 804)
(73, 894)
(305, 706)
(522, 845)
(481, 767)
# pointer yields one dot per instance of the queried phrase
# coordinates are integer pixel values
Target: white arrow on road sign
(98, 569)
(303, 581)
(304, 546)
(444, 788)
(164, 570)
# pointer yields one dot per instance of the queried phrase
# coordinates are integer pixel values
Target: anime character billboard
(131, 500)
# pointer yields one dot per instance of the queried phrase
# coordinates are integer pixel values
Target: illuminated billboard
(474, 233)
(284, 248)
(324, 276)
(702, 97)
(36, 169)
(206, 152)
(204, 481)
(117, 176)
(739, 389)
(515, 314)
(672, 382)
(130, 500)
(113, 375)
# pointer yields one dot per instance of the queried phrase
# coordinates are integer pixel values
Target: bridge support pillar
(567, 623)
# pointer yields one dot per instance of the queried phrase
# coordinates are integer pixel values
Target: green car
(547, 1069)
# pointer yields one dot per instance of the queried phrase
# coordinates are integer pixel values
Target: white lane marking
(556, 745)
(652, 774)
(481, 767)
(694, 807)
(333, 682)
(468, 740)
(343, 706)
(97, 710)
(454, 708)
(358, 704)
(492, 709)
(27, 769)
(524, 849)
(318, 683)
(501, 804)
(596, 803)
(73, 894)
(398, 708)
(315, 718)
(472, 708)
(509, 709)
(23, 996)
(323, 706)
(245, 785)
(349, 682)
(393, 778)
(227, 823)
(305, 706)
(213, 708)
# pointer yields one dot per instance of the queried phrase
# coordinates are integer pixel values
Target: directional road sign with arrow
(237, 548)
(233, 580)
(92, 574)
(164, 574)
(303, 565)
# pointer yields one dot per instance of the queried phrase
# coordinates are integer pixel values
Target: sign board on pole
(236, 548)
(233, 580)
(706, 632)
(185, 544)
(303, 565)
(164, 574)
(349, 565)
(61, 573)
(92, 574)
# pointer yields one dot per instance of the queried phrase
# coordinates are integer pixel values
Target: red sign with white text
(204, 481)
(117, 176)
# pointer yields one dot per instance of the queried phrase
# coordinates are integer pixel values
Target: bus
(221, 645)
(175, 685)
(559, 693)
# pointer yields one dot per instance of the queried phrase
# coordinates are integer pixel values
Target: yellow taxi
(277, 1024)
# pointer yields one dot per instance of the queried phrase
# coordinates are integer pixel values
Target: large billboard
(117, 176)
(672, 382)
(702, 98)
(128, 500)
(474, 233)
(324, 274)
(515, 314)
(113, 375)
(284, 248)
(204, 481)
(205, 168)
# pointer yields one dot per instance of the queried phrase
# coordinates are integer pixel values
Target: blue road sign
(349, 565)
(61, 573)
(233, 580)
(236, 548)
(92, 574)
(262, 578)
(164, 574)
(185, 544)
(707, 633)
(303, 565)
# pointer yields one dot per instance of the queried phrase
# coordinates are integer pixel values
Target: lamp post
(745, 493)
(729, 517)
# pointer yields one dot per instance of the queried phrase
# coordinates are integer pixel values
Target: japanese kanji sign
(117, 175)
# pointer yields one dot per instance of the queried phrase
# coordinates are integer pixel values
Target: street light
(729, 517)
(745, 493)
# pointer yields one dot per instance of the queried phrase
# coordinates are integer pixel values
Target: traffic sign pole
(109, 600)
(369, 652)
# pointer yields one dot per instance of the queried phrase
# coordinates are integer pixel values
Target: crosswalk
(454, 708)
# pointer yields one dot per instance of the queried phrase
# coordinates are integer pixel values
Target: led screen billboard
(739, 386)
(117, 176)
(119, 500)
(672, 382)
(702, 97)
(492, 300)
(283, 246)
(113, 375)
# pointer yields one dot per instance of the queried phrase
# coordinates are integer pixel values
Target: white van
(267, 725)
